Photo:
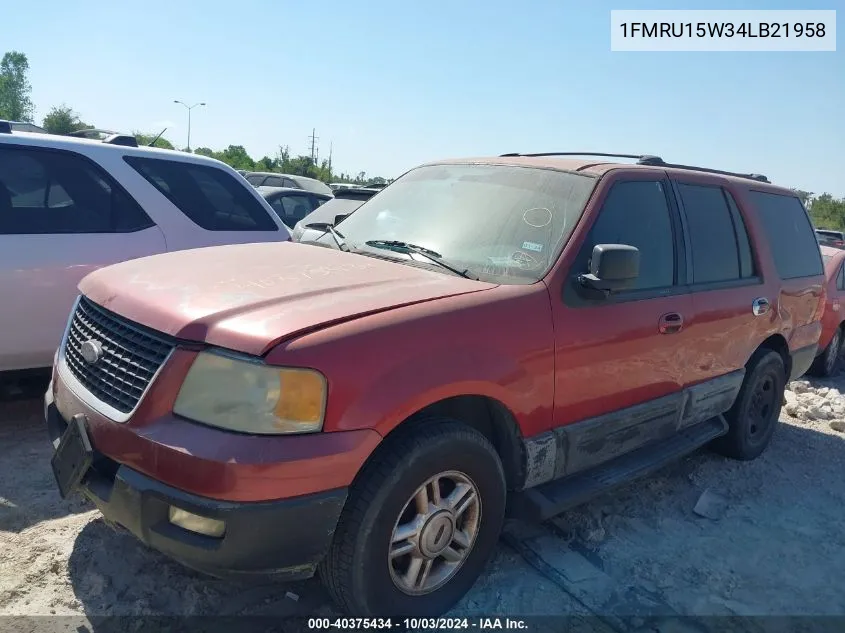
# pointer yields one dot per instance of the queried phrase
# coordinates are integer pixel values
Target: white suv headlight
(251, 397)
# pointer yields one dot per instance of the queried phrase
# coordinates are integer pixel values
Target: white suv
(69, 206)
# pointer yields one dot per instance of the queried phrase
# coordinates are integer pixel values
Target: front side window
(212, 198)
(636, 213)
(502, 223)
(46, 191)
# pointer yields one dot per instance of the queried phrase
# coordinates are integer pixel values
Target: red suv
(833, 322)
(523, 329)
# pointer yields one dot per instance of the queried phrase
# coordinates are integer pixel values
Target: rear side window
(719, 241)
(50, 192)
(791, 237)
(210, 197)
(255, 179)
(637, 213)
(293, 208)
(274, 181)
(840, 279)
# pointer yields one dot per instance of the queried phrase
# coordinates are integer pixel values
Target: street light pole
(189, 108)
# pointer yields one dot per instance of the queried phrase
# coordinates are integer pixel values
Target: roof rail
(722, 172)
(651, 160)
(5, 127)
(642, 159)
(127, 140)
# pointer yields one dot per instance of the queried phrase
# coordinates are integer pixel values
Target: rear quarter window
(791, 237)
(212, 198)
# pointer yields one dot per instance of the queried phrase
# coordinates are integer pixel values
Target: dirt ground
(773, 543)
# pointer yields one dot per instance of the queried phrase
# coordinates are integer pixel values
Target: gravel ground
(772, 545)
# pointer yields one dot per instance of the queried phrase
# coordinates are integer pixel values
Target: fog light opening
(196, 523)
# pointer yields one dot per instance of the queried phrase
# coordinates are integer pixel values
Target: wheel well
(487, 416)
(777, 343)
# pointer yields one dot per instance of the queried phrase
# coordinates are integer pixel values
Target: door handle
(760, 306)
(670, 323)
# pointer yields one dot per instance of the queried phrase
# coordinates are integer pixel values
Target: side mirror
(613, 267)
(340, 218)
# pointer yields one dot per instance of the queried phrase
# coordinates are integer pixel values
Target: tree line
(16, 105)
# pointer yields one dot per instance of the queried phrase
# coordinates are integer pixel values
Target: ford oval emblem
(91, 351)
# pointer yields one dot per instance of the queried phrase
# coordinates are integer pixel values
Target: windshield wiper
(328, 227)
(429, 254)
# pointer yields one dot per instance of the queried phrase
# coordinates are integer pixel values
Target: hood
(248, 297)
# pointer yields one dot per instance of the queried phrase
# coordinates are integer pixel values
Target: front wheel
(421, 522)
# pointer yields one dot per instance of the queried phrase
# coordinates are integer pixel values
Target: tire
(826, 363)
(754, 416)
(360, 572)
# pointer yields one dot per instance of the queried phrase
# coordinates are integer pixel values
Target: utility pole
(189, 108)
(331, 146)
(313, 146)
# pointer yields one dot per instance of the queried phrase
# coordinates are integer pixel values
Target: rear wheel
(825, 363)
(421, 523)
(754, 416)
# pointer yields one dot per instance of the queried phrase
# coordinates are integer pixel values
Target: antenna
(152, 144)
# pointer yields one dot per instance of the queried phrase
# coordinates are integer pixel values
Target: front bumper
(286, 539)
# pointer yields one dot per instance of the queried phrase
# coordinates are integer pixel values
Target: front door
(623, 351)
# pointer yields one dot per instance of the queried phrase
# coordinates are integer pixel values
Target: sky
(390, 84)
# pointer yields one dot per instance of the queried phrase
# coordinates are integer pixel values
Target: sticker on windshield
(532, 246)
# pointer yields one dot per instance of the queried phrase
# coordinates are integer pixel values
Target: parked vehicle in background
(272, 179)
(345, 201)
(343, 185)
(828, 237)
(292, 205)
(519, 326)
(833, 321)
(376, 185)
(70, 205)
(23, 126)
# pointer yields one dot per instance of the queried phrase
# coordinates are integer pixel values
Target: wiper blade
(430, 255)
(328, 227)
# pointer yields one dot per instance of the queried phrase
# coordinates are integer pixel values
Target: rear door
(61, 217)
(787, 229)
(723, 278)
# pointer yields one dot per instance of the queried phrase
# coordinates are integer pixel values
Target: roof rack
(646, 159)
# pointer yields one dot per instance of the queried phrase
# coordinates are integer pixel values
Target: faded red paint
(834, 308)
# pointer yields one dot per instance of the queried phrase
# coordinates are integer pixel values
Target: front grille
(131, 355)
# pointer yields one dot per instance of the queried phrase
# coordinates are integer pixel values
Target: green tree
(266, 164)
(237, 157)
(15, 89)
(828, 212)
(146, 139)
(63, 120)
(204, 151)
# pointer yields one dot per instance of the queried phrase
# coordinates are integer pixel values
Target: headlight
(252, 397)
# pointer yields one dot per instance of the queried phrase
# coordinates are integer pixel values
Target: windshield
(503, 224)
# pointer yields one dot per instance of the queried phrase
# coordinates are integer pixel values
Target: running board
(552, 498)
